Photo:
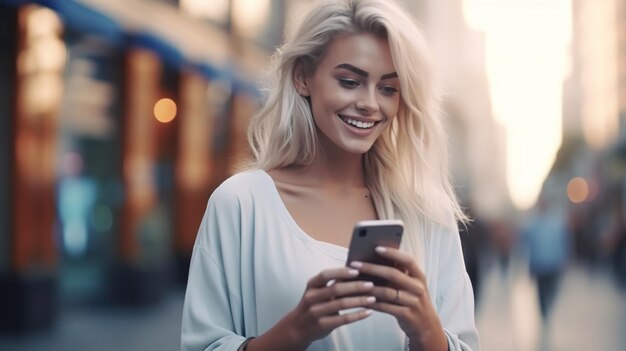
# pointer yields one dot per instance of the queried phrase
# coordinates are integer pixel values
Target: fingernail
(367, 312)
(356, 264)
(371, 299)
(368, 284)
(381, 249)
(353, 272)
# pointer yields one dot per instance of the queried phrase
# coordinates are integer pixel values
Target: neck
(338, 169)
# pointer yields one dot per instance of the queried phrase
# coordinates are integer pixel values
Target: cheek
(330, 100)
(390, 107)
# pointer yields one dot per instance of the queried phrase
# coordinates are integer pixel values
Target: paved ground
(108, 328)
(590, 314)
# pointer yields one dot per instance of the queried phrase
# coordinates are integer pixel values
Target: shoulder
(241, 185)
(245, 179)
(233, 200)
(239, 192)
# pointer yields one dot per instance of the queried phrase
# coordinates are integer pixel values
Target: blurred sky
(527, 43)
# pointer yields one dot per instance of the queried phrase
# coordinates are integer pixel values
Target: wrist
(293, 336)
(244, 344)
(282, 336)
(434, 341)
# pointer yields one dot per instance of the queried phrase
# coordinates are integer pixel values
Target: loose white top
(251, 263)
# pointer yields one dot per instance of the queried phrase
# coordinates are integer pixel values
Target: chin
(358, 149)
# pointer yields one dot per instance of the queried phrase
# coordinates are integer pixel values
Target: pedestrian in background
(473, 241)
(350, 132)
(546, 238)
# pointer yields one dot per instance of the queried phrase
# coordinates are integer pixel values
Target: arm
(212, 312)
(208, 322)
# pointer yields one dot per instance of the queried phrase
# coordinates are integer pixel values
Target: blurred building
(594, 101)
(591, 165)
(598, 59)
(478, 142)
(118, 118)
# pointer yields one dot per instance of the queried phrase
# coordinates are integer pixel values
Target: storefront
(116, 133)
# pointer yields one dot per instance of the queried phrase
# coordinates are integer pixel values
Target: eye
(348, 83)
(388, 90)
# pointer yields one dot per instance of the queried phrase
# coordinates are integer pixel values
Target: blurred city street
(589, 314)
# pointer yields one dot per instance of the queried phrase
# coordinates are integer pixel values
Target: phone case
(369, 234)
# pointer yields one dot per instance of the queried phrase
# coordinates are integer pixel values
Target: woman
(350, 132)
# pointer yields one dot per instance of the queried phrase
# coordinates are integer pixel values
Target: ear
(300, 79)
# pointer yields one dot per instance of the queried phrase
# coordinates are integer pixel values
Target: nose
(367, 102)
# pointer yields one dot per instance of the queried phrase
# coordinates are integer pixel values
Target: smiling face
(354, 92)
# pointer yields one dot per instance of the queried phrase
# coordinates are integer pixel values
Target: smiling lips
(357, 123)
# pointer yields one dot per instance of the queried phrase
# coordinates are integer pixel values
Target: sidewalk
(589, 313)
(108, 328)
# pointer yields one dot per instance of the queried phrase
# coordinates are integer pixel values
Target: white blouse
(251, 263)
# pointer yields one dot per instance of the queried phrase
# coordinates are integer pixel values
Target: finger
(334, 306)
(335, 321)
(340, 289)
(403, 259)
(396, 296)
(400, 303)
(393, 275)
(322, 278)
(415, 290)
(397, 311)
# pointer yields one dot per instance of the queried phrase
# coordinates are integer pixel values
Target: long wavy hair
(406, 170)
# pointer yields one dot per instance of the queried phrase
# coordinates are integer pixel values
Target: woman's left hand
(406, 298)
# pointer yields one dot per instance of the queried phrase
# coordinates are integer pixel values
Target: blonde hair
(406, 169)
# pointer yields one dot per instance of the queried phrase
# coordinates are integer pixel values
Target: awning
(181, 41)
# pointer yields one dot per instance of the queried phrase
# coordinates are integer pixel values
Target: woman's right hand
(317, 313)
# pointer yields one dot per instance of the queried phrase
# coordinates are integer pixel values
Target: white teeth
(359, 124)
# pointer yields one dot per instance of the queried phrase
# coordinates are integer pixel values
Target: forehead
(364, 50)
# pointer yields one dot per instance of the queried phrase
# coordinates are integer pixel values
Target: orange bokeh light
(165, 110)
(577, 190)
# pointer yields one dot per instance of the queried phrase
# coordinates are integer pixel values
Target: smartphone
(369, 234)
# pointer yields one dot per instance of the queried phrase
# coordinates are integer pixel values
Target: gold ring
(397, 295)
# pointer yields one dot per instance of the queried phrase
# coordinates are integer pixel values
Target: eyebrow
(364, 74)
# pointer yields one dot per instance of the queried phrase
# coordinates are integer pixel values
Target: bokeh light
(577, 190)
(165, 110)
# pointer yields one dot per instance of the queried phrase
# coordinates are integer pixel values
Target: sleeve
(212, 312)
(454, 296)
